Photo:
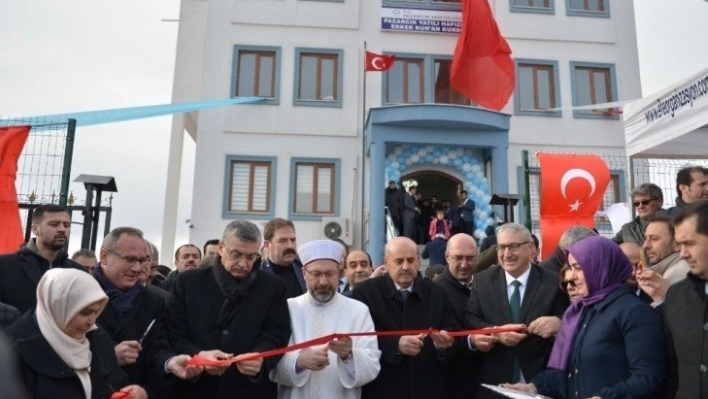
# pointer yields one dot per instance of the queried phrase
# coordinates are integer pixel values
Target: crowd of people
(600, 318)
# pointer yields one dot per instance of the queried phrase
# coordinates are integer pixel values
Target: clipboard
(512, 393)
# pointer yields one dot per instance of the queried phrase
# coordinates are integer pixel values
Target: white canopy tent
(672, 123)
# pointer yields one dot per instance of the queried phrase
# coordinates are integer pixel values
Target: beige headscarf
(61, 295)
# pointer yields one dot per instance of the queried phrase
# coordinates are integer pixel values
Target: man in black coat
(456, 280)
(230, 307)
(135, 315)
(514, 294)
(20, 272)
(281, 259)
(412, 366)
(435, 251)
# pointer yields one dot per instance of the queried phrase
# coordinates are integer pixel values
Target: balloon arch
(462, 160)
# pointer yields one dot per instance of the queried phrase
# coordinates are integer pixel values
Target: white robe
(311, 319)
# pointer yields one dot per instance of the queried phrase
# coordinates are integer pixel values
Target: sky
(81, 55)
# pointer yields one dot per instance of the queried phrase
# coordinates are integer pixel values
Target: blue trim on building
(579, 114)
(276, 83)
(340, 78)
(592, 14)
(337, 186)
(533, 10)
(225, 213)
(556, 87)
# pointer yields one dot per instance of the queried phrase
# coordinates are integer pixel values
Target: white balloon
(483, 215)
(480, 175)
(452, 154)
(429, 148)
(395, 164)
(391, 157)
(422, 152)
(476, 168)
(415, 158)
(436, 161)
(409, 162)
(479, 194)
(443, 159)
(466, 167)
(398, 151)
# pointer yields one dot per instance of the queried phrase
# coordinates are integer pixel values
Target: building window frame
(612, 89)
(556, 92)
(336, 54)
(575, 12)
(425, 4)
(532, 8)
(335, 163)
(276, 71)
(227, 213)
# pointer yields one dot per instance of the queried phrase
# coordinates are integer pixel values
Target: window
(318, 77)
(315, 185)
(432, 4)
(256, 72)
(532, 6)
(249, 186)
(537, 88)
(417, 79)
(588, 8)
(593, 84)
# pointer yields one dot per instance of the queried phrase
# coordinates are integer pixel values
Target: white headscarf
(61, 295)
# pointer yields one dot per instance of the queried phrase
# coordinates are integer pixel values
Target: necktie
(515, 306)
(403, 295)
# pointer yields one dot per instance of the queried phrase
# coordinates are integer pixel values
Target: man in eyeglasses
(516, 293)
(339, 368)
(134, 316)
(647, 200)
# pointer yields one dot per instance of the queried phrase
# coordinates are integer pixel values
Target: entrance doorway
(435, 183)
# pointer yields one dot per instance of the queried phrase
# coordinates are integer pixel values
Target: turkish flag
(378, 62)
(572, 189)
(12, 140)
(482, 67)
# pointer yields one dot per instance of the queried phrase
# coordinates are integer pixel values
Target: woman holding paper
(62, 353)
(611, 344)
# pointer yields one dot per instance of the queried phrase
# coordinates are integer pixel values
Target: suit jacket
(409, 205)
(20, 273)
(488, 306)
(466, 210)
(257, 323)
(47, 376)
(148, 370)
(401, 376)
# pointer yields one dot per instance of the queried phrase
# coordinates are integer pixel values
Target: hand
(483, 343)
(136, 392)
(250, 367)
(654, 284)
(379, 271)
(177, 365)
(127, 352)
(530, 388)
(215, 355)
(410, 344)
(341, 346)
(511, 339)
(442, 340)
(315, 358)
(545, 326)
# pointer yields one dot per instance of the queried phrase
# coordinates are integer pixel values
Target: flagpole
(363, 157)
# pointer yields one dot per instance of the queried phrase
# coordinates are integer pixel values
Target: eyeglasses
(644, 202)
(513, 247)
(319, 275)
(131, 259)
(467, 259)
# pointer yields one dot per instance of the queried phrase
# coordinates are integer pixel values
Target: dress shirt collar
(523, 279)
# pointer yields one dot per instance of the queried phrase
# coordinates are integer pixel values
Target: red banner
(572, 189)
(12, 140)
(199, 361)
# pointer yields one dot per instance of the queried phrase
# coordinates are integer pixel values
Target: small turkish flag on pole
(572, 189)
(378, 62)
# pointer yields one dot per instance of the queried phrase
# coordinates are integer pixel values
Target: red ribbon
(200, 361)
(120, 395)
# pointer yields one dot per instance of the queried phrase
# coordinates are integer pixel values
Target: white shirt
(523, 279)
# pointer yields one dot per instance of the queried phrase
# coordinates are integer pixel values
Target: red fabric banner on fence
(12, 140)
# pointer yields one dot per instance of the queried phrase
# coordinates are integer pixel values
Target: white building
(300, 154)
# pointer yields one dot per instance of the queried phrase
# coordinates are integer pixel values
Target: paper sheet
(510, 393)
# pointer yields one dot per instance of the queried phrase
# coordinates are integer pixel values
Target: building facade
(321, 146)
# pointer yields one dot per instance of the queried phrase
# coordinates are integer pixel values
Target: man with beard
(357, 268)
(280, 246)
(135, 314)
(187, 257)
(340, 367)
(412, 366)
(20, 272)
(228, 308)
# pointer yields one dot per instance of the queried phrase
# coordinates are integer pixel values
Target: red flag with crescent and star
(378, 62)
(12, 140)
(572, 189)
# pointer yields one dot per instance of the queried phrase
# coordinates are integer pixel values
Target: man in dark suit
(20, 272)
(514, 294)
(135, 315)
(281, 255)
(357, 269)
(412, 366)
(409, 213)
(466, 213)
(227, 308)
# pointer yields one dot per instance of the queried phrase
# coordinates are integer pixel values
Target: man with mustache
(187, 257)
(20, 272)
(280, 244)
(135, 314)
(357, 268)
(340, 367)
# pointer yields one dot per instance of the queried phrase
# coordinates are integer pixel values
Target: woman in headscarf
(611, 344)
(62, 353)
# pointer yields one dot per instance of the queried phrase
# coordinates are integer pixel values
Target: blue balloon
(429, 158)
(457, 162)
(401, 160)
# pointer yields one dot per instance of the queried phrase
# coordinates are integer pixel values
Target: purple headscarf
(606, 268)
